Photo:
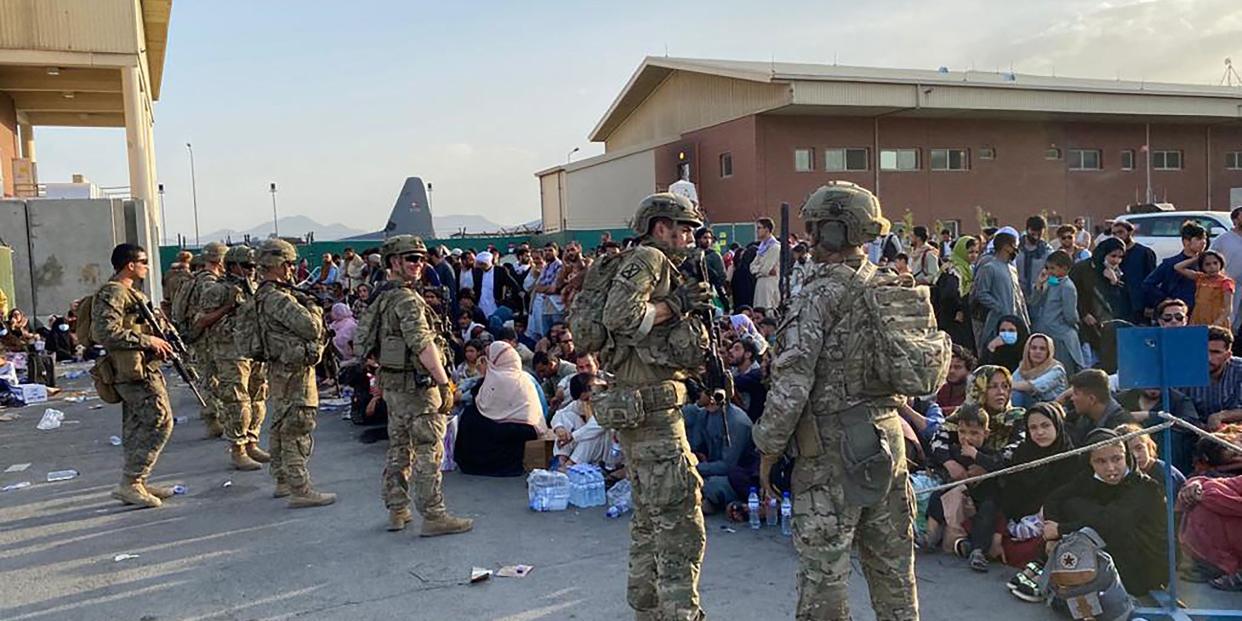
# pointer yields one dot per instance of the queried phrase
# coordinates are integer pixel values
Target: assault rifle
(166, 331)
(717, 378)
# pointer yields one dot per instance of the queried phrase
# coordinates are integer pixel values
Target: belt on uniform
(664, 395)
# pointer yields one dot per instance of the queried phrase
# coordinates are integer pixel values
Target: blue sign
(1162, 357)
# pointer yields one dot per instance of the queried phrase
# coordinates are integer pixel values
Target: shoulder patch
(631, 270)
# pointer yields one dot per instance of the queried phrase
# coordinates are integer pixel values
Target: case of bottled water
(547, 491)
(586, 486)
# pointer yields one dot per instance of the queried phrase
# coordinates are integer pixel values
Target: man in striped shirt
(1220, 401)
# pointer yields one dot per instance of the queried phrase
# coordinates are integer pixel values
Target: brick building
(943, 145)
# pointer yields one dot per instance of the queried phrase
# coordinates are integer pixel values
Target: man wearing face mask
(997, 292)
(1033, 253)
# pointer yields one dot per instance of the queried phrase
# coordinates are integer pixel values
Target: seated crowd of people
(30, 349)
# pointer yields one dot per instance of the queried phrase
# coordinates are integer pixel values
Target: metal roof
(655, 69)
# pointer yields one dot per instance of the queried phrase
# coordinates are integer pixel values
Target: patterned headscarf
(1000, 424)
(965, 271)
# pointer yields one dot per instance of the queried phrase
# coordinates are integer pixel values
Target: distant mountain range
(301, 225)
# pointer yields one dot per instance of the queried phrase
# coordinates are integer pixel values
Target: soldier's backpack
(247, 329)
(82, 331)
(1081, 579)
(908, 355)
(186, 297)
(586, 312)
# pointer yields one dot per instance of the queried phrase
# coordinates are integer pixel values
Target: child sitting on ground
(579, 438)
(959, 452)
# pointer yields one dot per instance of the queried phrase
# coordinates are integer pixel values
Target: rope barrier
(1199, 432)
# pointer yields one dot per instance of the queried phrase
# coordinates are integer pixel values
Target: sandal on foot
(961, 547)
(979, 561)
(1228, 582)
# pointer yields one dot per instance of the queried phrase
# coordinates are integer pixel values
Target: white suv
(1162, 231)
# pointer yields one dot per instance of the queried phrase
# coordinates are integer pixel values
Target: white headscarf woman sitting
(506, 413)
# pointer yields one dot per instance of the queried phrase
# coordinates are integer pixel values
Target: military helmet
(274, 252)
(214, 252)
(402, 245)
(675, 207)
(239, 254)
(849, 204)
(196, 261)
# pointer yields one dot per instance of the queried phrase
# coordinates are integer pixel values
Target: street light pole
(570, 156)
(163, 219)
(275, 226)
(194, 193)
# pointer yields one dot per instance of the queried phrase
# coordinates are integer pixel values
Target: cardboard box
(31, 394)
(538, 454)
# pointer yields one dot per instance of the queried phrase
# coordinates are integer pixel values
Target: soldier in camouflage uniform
(241, 383)
(178, 273)
(655, 345)
(416, 387)
(190, 298)
(132, 367)
(291, 325)
(812, 374)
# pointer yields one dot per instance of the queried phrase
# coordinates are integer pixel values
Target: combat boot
(445, 525)
(163, 492)
(131, 492)
(242, 461)
(214, 430)
(310, 498)
(282, 490)
(257, 454)
(397, 519)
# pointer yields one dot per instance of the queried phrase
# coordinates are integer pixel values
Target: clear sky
(338, 102)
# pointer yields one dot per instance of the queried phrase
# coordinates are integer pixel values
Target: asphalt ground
(233, 552)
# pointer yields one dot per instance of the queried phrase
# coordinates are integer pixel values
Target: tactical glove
(689, 297)
(447, 391)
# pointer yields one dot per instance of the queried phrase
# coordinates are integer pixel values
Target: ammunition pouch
(127, 365)
(104, 378)
(393, 354)
(626, 408)
(867, 457)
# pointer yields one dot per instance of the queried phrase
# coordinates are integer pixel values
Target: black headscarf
(1024, 492)
(1008, 356)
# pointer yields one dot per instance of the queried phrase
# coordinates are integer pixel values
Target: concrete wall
(8, 143)
(62, 248)
(607, 194)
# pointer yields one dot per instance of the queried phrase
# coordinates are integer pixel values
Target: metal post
(194, 193)
(1168, 475)
(275, 220)
(163, 218)
(786, 256)
(1147, 146)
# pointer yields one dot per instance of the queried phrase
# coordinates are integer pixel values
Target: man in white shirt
(1230, 246)
(766, 266)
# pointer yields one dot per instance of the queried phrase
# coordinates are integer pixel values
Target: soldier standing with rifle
(187, 307)
(399, 326)
(132, 369)
(291, 328)
(655, 342)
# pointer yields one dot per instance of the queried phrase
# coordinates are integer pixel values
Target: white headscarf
(508, 393)
(1007, 229)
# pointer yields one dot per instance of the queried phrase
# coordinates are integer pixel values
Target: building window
(804, 159)
(899, 159)
(1052, 153)
(726, 165)
(987, 153)
(1127, 159)
(1084, 159)
(839, 160)
(1233, 160)
(1166, 160)
(950, 159)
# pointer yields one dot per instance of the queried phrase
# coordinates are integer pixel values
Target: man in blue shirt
(1220, 402)
(718, 461)
(1138, 263)
(1165, 282)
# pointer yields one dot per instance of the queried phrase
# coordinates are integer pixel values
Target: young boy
(1054, 310)
(579, 439)
(902, 263)
(959, 452)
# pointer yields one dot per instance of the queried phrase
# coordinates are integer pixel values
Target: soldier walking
(411, 355)
(132, 369)
(291, 326)
(654, 344)
(241, 383)
(187, 309)
(819, 400)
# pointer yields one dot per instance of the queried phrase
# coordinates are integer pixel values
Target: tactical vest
(127, 365)
(280, 344)
(394, 353)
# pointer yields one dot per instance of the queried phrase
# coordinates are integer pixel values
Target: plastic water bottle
(773, 508)
(179, 490)
(347, 392)
(61, 475)
(614, 458)
(618, 510)
(786, 516)
(752, 503)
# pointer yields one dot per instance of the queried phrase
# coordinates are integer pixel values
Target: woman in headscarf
(991, 387)
(952, 292)
(743, 325)
(1102, 294)
(1005, 347)
(1040, 377)
(343, 327)
(505, 414)
(1022, 494)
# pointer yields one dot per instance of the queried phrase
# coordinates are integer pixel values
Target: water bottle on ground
(786, 516)
(752, 504)
(773, 512)
(61, 475)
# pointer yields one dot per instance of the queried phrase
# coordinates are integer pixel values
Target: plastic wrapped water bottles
(586, 484)
(752, 504)
(786, 516)
(547, 491)
(620, 498)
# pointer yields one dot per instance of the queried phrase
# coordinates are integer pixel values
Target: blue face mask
(64, 327)
(1009, 338)
(1054, 280)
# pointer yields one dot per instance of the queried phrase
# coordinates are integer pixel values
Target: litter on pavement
(51, 420)
(115, 440)
(515, 571)
(7, 418)
(123, 557)
(479, 574)
(62, 475)
(17, 467)
(15, 486)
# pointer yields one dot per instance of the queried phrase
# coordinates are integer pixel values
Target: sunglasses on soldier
(412, 257)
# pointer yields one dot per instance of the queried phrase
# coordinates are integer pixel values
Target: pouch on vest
(104, 378)
(867, 457)
(806, 436)
(393, 353)
(619, 408)
(128, 365)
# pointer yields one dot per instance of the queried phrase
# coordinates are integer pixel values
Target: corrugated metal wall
(69, 25)
(688, 101)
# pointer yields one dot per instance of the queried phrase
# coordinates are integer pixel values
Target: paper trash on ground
(15, 486)
(479, 574)
(51, 420)
(123, 557)
(17, 467)
(515, 571)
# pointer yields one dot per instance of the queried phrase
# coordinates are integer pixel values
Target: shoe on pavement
(131, 493)
(1026, 590)
(163, 492)
(242, 461)
(445, 525)
(398, 518)
(257, 454)
(310, 498)
(282, 490)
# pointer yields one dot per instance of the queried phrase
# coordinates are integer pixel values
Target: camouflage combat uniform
(241, 383)
(146, 415)
(201, 360)
(293, 331)
(667, 537)
(812, 371)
